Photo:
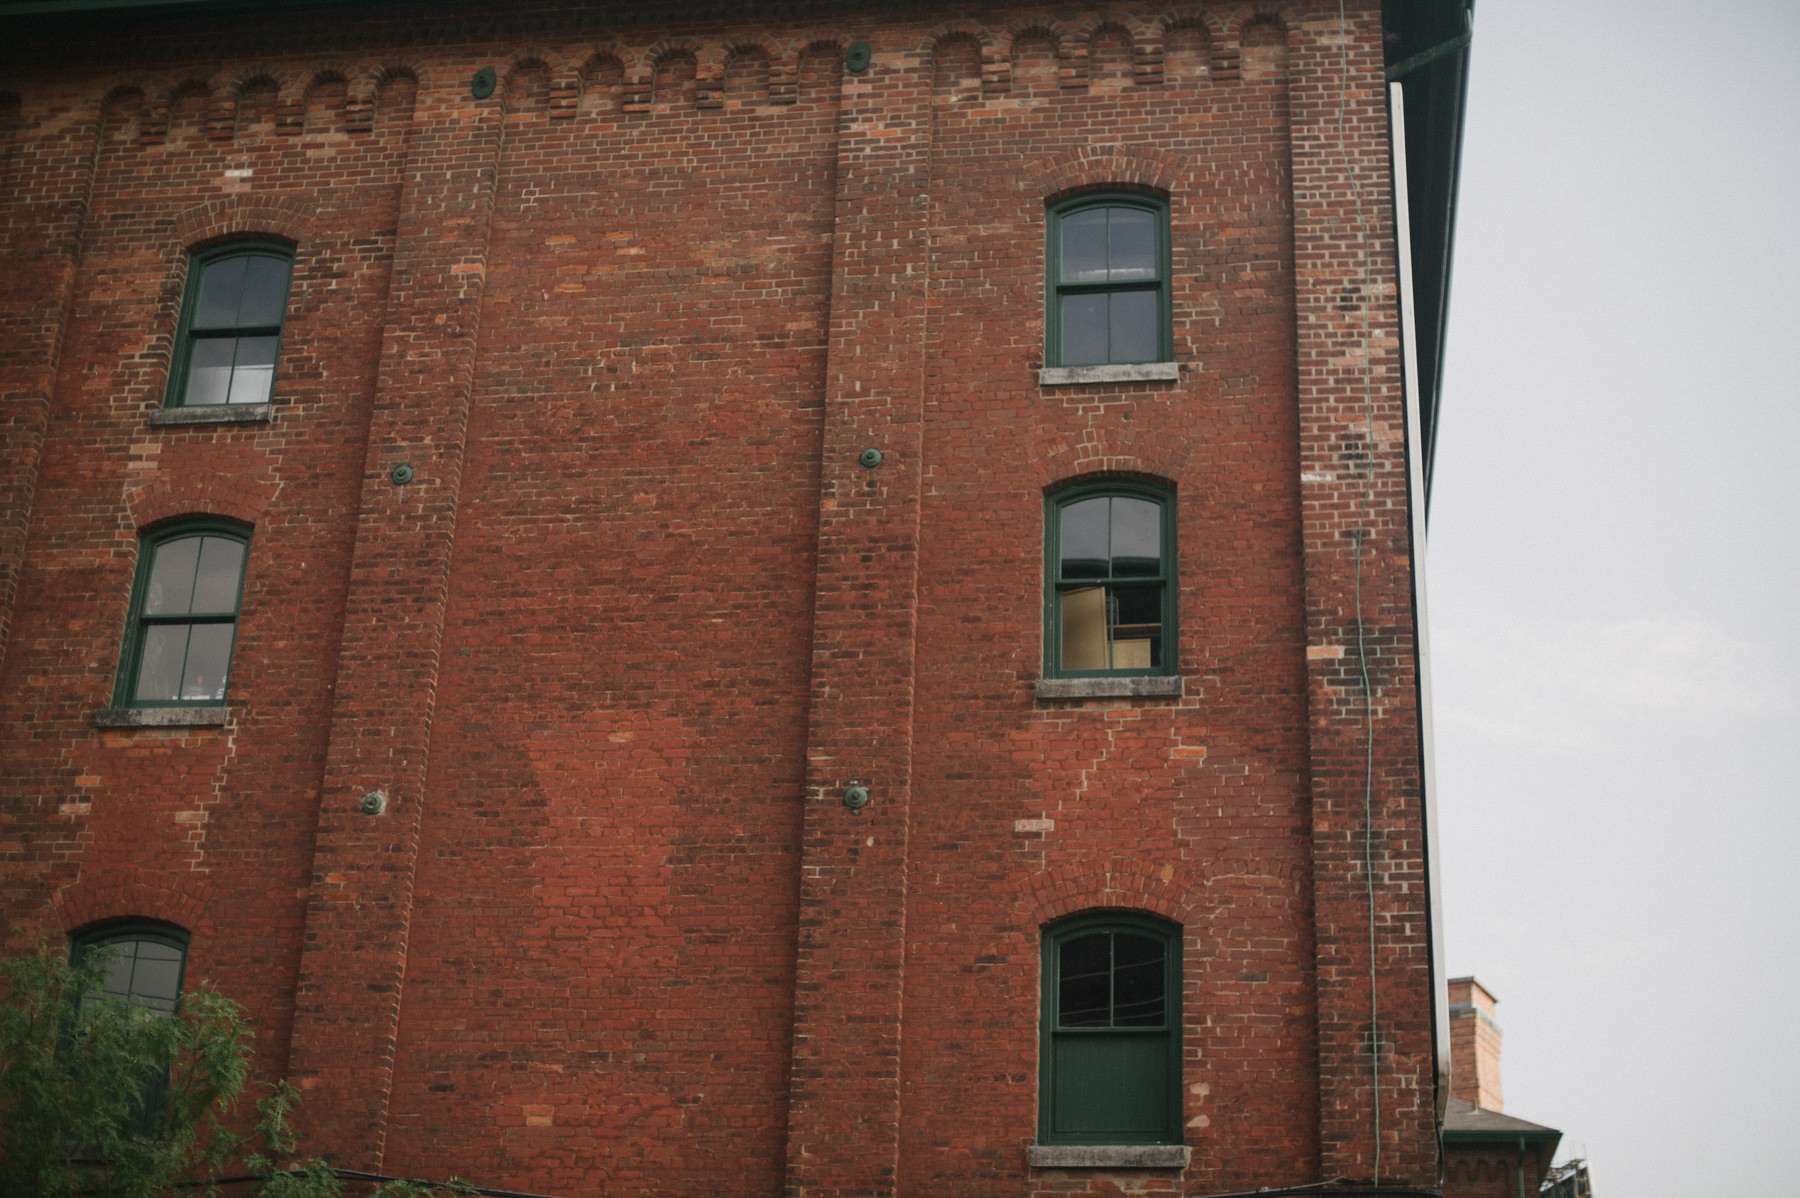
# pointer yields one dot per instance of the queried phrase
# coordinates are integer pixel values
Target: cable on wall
(1358, 537)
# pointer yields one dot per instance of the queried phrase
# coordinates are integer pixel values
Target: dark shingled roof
(1466, 1121)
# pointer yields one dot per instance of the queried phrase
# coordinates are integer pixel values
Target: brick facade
(641, 616)
(1474, 1046)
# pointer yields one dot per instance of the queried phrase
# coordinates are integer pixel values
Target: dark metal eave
(1428, 40)
(1466, 1123)
(1541, 1136)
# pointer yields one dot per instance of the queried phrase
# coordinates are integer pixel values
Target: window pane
(159, 673)
(1136, 537)
(1083, 331)
(1134, 653)
(118, 973)
(1083, 250)
(265, 291)
(146, 972)
(172, 578)
(221, 287)
(1084, 981)
(1136, 629)
(209, 371)
(1137, 606)
(1084, 629)
(208, 657)
(216, 581)
(1082, 538)
(1133, 326)
(1132, 237)
(254, 375)
(1137, 981)
(156, 982)
(1111, 1088)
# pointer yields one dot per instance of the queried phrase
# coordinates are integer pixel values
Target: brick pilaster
(1364, 738)
(47, 179)
(360, 906)
(844, 1116)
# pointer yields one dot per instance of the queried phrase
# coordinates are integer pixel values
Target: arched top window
(1110, 562)
(1110, 1052)
(1107, 290)
(143, 962)
(232, 312)
(184, 612)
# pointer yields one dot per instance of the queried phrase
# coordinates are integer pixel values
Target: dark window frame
(1057, 291)
(1162, 1041)
(101, 936)
(138, 624)
(1056, 586)
(187, 336)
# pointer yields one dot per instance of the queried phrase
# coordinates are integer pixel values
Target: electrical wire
(1357, 539)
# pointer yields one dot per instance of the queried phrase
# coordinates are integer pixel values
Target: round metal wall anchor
(482, 86)
(857, 56)
(401, 474)
(870, 457)
(373, 803)
(856, 797)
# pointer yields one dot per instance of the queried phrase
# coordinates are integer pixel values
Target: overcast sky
(1615, 579)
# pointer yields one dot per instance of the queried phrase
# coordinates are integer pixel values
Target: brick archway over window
(1109, 166)
(1171, 891)
(241, 499)
(244, 216)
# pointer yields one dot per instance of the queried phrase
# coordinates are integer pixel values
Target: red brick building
(1488, 1153)
(810, 598)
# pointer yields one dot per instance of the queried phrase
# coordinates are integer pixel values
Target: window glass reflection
(1131, 244)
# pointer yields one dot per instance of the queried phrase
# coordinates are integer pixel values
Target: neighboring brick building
(1488, 1153)
(808, 598)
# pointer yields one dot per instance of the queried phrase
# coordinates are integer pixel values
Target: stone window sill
(160, 717)
(1160, 686)
(242, 413)
(1107, 1156)
(1136, 372)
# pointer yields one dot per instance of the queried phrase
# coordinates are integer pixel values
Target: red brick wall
(615, 653)
(1493, 1170)
(1474, 1046)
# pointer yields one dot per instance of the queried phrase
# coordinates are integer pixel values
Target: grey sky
(1615, 574)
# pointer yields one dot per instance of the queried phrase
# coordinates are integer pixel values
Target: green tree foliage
(100, 1096)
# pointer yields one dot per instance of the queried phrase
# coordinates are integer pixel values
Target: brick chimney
(1474, 1046)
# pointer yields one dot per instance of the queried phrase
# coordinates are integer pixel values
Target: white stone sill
(1107, 1156)
(1158, 686)
(242, 413)
(1135, 372)
(160, 717)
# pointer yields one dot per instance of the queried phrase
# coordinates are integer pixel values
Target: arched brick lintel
(1104, 166)
(1057, 460)
(90, 902)
(1171, 891)
(244, 216)
(241, 499)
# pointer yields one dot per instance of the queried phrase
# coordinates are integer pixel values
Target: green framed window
(231, 317)
(144, 964)
(1110, 561)
(184, 612)
(1108, 282)
(1110, 1052)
